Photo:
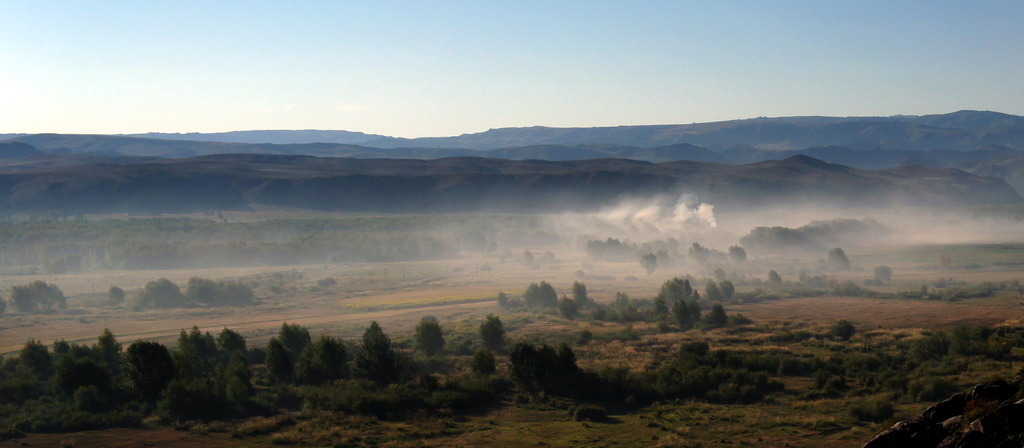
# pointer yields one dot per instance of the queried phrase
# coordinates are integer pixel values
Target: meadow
(968, 286)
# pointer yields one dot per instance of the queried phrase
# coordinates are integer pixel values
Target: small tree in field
(837, 260)
(115, 296)
(737, 254)
(376, 359)
(649, 262)
(429, 337)
(483, 362)
(567, 308)
(492, 332)
(843, 330)
(883, 274)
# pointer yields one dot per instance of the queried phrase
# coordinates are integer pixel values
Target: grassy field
(460, 292)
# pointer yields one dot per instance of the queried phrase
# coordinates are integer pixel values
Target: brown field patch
(881, 313)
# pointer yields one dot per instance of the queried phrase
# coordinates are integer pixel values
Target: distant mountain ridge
(961, 130)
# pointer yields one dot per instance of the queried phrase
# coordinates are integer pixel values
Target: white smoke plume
(657, 217)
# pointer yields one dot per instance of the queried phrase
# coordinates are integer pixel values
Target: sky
(440, 68)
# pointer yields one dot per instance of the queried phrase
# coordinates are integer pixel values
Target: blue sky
(424, 68)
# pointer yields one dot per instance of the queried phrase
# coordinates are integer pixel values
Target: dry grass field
(460, 292)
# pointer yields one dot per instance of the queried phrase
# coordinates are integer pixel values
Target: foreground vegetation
(701, 355)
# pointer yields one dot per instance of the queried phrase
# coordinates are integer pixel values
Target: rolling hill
(465, 184)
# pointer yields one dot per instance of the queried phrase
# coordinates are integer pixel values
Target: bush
(872, 410)
(591, 412)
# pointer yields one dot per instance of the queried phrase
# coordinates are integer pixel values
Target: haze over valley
(477, 224)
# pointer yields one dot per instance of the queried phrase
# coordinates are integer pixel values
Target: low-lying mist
(687, 219)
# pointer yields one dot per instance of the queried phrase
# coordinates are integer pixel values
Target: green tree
(711, 292)
(728, 289)
(429, 337)
(837, 260)
(108, 351)
(279, 361)
(737, 254)
(676, 290)
(541, 295)
(294, 337)
(376, 360)
(322, 362)
(148, 368)
(580, 297)
(681, 313)
(115, 296)
(695, 311)
(161, 293)
(650, 262)
(567, 308)
(37, 296)
(195, 354)
(483, 362)
(492, 332)
(230, 341)
(883, 274)
(72, 374)
(843, 330)
(717, 317)
(36, 357)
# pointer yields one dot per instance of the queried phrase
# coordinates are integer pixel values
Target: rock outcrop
(990, 415)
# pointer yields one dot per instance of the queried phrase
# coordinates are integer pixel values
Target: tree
(567, 308)
(483, 362)
(883, 274)
(293, 337)
(737, 254)
(201, 290)
(837, 260)
(230, 342)
(728, 289)
(72, 374)
(35, 356)
(429, 337)
(148, 368)
(502, 299)
(541, 295)
(376, 360)
(492, 332)
(115, 296)
(108, 350)
(196, 354)
(774, 278)
(712, 292)
(650, 262)
(843, 330)
(322, 362)
(717, 317)
(580, 297)
(37, 296)
(681, 313)
(161, 293)
(676, 290)
(695, 311)
(279, 361)
(3, 305)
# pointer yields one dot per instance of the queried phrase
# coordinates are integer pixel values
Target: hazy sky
(423, 68)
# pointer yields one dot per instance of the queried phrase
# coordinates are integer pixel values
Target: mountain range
(838, 158)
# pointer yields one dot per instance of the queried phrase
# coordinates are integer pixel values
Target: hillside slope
(473, 184)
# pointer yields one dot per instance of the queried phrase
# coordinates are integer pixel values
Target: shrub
(591, 412)
(872, 410)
